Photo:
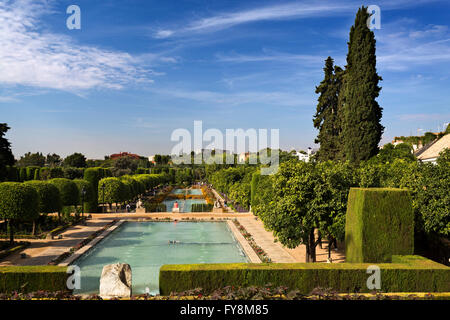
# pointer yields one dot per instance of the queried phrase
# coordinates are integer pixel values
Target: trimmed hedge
(18, 201)
(49, 198)
(406, 274)
(379, 224)
(33, 278)
(201, 207)
(68, 191)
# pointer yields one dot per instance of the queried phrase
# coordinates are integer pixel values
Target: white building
(244, 156)
(305, 156)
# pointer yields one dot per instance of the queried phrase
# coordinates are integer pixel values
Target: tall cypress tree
(360, 112)
(326, 117)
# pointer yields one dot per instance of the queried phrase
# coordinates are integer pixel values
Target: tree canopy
(76, 160)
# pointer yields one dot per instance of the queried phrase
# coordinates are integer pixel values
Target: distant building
(123, 154)
(302, 156)
(151, 159)
(244, 156)
(430, 152)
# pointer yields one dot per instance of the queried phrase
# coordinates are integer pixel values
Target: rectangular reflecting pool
(197, 192)
(145, 247)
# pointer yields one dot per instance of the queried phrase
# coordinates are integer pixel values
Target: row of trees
(302, 197)
(76, 160)
(22, 202)
(128, 188)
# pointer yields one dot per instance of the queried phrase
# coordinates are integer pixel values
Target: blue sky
(139, 69)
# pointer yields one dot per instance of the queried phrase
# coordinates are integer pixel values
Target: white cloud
(402, 45)
(276, 98)
(161, 34)
(272, 56)
(32, 57)
(286, 11)
(276, 12)
(431, 31)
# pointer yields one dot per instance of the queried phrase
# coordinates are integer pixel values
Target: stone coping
(251, 254)
(77, 254)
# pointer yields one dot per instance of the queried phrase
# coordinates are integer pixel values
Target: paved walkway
(42, 251)
(279, 253)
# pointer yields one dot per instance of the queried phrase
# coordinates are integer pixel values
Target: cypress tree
(326, 117)
(360, 112)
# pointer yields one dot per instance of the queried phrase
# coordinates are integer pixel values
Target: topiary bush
(89, 192)
(49, 198)
(379, 224)
(201, 207)
(68, 191)
(93, 176)
(114, 190)
(12, 174)
(18, 202)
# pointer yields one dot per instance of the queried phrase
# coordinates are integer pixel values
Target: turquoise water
(145, 246)
(197, 192)
(184, 205)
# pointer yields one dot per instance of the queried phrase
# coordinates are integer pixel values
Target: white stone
(115, 281)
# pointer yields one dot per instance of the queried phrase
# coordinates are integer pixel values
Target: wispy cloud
(32, 57)
(270, 56)
(402, 45)
(285, 11)
(276, 12)
(237, 98)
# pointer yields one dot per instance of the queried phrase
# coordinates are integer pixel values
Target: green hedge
(379, 224)
(406, 274)
(155, 207)
(201, 207)
(32, 278)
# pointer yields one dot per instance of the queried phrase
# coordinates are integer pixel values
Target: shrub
(44, 173)
(155, 207)
(405, 274)
(379, 224)
(18, 202)
(37, 175)
(12, 174)
(22, 174)
(114, 190)
(31, 171)
(49, 198)
(92, 175)
(56, 172)
(32, 278)
(73, 173)
(201, 207)
(68, 191)
(89, 192)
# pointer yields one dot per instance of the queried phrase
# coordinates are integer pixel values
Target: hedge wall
(33, 278)
(201, 207)
(405, 274)
(379, 224)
